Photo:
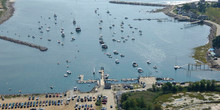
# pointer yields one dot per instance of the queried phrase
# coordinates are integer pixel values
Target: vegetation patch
(200, 53)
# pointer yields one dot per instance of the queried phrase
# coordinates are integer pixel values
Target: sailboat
(93, 71)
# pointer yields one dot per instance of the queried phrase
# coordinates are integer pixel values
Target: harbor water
(27, 69)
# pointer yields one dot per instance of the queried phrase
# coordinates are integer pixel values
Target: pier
(41, 48)
(112, 80)
(81, 80)
(198, 67)
(139, 3)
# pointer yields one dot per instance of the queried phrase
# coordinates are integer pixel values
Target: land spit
(41, 48)
(138, 3)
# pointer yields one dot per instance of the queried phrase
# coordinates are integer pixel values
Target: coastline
(9, 12)
(214, 31)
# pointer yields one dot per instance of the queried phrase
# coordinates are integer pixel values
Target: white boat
(177, 67)
(115, 52)
(65, 75)
(106, 76)
(148, 62)
(73, 38)
(68, 72)
(140, 70)
(117, 61)
(132, 38)
(134, 64)
(155, 67)
(75, 88)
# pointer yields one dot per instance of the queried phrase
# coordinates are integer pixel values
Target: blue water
(31, 71)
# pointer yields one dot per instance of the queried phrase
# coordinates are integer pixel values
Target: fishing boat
(140, 70)
(134, 64)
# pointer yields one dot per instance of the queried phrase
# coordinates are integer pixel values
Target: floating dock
(138, 3)
(41, 48)
(129, 79)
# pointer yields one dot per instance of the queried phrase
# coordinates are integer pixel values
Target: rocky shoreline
(213, 31)
(8, 13)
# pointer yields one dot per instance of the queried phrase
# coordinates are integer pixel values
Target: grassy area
(213, 14)
(200, 53)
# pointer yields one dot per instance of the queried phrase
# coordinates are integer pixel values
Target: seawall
(41, 48)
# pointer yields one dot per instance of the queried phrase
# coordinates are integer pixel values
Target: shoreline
(214, 31)
(7, 14)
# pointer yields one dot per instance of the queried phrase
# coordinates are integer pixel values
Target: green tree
(174, 89)
(186, 7)
(213, 86)
(208, 85)
(202, 85)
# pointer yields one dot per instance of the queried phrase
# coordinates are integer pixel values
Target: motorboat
(134, 64)
(75, 88)
(148, 62)
(51, 87)
(115, 52)
(65, 75)
(78, 29)
(132, 38)
(54, 15)
(140, 70)
(122, 55)
(104, 46)
(101, 42)
(63, 35)
(155, 67)
(114, 39)
(73, 38)
(177, 67)
(106, 76)
(68, 72)
(74, 22)
(117, 61)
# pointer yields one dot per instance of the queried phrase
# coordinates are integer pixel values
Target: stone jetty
(139, 3)
(41, 48)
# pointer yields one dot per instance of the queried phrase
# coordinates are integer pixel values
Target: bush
(216, 42)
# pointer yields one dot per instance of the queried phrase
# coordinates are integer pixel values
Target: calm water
(27, 69)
